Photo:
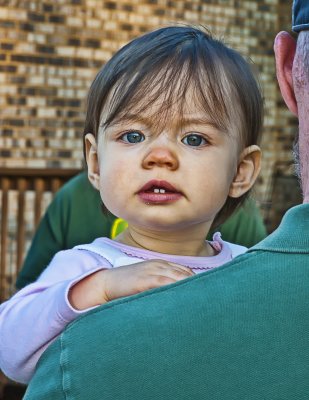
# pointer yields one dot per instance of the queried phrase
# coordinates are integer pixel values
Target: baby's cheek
(112, 187)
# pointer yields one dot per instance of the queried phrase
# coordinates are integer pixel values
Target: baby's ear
(92, 160)
(248, 169)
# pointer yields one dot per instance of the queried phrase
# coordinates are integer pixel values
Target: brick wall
(51, 50)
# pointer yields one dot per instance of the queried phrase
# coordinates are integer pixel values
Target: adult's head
(167, 64)
(292, 63)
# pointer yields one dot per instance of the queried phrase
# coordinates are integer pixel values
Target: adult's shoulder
(246, 226)
(224, 334)
(77, 199)
(79, 184)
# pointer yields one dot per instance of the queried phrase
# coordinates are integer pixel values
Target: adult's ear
(248, 169)
(92, 160)
(285, 48)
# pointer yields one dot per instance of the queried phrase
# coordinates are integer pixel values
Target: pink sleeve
(37, 314)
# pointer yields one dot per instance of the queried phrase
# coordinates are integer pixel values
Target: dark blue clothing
(300, 15)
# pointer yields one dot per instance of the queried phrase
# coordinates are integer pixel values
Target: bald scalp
(301, 90)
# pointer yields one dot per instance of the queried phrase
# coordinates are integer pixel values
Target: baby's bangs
(136, 93)
(191, 69)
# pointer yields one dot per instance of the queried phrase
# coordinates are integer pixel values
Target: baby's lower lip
(159, 198)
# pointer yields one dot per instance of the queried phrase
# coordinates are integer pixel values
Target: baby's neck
(179, 243)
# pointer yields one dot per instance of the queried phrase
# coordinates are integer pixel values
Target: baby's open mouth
(159, 192)
(158, 186)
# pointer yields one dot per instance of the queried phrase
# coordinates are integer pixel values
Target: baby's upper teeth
(156, 190)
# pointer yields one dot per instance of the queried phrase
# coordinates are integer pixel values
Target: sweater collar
(292, 235)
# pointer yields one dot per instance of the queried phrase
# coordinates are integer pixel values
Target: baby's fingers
(170, 274)
(187, 271)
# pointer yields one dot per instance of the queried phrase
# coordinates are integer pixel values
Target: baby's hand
(109, 284)
(136, 278)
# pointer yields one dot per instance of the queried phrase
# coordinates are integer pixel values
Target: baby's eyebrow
(132, 118)
(127, 118)
(183, 121)
(201, 121)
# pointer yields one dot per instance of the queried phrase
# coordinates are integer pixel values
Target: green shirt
(75, 217)
(237, 332)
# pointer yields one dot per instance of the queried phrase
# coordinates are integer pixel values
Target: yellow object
(118, 226)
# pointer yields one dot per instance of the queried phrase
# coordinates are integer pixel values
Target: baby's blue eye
(133, 137)
(194, 140)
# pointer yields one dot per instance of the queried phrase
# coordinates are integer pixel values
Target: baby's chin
(161, 227)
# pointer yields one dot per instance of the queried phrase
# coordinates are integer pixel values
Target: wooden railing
(15, 186)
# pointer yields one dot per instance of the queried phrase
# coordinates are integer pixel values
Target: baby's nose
(161, 157)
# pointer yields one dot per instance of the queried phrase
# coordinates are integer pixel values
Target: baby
(171, 142)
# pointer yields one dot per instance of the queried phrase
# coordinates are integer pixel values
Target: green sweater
(239, 332)
(75, 217)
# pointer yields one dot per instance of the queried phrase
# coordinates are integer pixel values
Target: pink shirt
(38, 313)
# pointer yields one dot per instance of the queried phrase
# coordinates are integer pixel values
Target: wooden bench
(24, 196)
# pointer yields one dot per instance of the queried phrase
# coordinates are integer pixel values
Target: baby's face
(166, 177)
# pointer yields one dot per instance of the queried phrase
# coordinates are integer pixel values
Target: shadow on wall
(284, 192)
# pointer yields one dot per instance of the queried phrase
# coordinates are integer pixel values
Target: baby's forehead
(168, 109)
(157, 120)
